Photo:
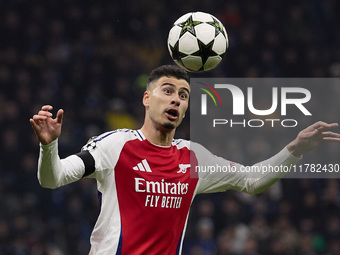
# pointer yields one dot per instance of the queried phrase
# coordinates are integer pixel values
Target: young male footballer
(146, 178)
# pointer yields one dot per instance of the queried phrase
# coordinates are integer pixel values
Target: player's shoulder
(118, 133)
(190, 145)
(181, 143)
(112, 138)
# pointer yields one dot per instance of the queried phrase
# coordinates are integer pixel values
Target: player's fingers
(313, 128)
(45, 113)
(329, 126)
(332, 139)
(322, 130)
(47, 107)
(60, 115)
(34, 125)
(330, 134)
(333, 125)
(320, 125)
(32, 122)
(39, 117)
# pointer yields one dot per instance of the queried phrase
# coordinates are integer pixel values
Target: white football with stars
(197, 42)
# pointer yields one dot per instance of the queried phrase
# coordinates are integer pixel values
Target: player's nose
(176, 100)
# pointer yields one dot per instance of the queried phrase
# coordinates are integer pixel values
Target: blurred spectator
(205, 236)
(117, 116)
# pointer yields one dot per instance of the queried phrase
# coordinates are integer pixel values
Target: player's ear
(146, 98)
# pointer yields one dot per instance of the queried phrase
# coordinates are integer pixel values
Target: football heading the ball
(197, 42)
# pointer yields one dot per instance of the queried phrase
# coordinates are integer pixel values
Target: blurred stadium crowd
(91, 58)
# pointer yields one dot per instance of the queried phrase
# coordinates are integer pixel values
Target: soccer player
(146, 178)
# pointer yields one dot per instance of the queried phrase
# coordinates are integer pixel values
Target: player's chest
(170, 164)
(156, 179)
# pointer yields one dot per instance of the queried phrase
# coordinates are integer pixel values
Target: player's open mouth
(171, 114)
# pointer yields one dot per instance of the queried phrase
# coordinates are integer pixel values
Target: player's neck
(158, 136)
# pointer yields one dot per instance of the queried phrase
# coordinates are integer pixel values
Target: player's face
(166, 101)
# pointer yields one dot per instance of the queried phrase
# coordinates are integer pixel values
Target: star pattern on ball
(205, 51)
(176, 54)
(218, 27)
(188, 26)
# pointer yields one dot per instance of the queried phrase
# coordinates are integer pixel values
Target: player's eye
(167, 91)
(183, 95)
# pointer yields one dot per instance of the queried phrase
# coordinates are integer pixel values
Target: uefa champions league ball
(197, 42)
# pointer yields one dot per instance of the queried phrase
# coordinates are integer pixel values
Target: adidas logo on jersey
(143, 166)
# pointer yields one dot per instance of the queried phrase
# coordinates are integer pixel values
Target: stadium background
(91, 59)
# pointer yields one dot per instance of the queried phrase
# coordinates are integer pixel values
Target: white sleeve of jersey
(217, 174)
(54, 172)
(96, 160)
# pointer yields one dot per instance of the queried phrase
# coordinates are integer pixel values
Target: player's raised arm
(256, 178)
(52, 171)
(45, 127)
(311, 137)
(308, 139)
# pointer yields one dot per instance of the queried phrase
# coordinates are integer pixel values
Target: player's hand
(46, 128)
(311, 137)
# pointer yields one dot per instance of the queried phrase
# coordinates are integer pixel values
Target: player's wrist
(49, 145)
(294, 149)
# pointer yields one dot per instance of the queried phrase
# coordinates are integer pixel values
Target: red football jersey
(147, 192)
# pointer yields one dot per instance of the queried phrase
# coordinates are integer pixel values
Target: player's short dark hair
(168, 71)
